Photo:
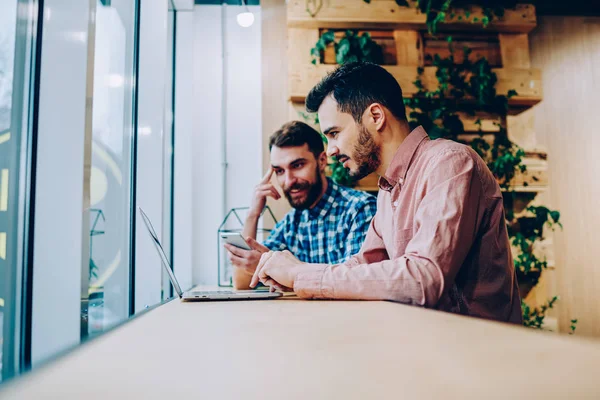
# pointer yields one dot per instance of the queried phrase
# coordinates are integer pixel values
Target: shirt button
(401, 180)
(395, 203)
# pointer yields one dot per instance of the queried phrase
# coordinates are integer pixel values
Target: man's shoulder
(440, 147)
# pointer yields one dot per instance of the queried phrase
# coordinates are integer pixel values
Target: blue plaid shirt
(330, 232)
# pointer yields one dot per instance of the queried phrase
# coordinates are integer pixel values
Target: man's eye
(299, 165)
(333, 134)
(278, 172)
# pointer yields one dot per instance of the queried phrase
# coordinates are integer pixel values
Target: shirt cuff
(310, 284)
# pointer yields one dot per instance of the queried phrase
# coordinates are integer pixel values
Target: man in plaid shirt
(328, 222)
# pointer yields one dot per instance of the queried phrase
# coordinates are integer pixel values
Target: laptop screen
(165, 262)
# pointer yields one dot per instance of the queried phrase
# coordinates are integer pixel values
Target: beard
(313, 193)
(366, 155)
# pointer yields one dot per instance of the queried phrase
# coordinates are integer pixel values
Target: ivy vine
(440, 11)
(351, 47)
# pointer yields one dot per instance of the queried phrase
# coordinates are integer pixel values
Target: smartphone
(235, 239)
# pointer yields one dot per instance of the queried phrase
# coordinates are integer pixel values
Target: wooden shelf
(527, 82)
(386, 14)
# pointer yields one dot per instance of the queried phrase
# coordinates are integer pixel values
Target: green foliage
(325, 40)
(527, 232)
(339, 174)
(525, 261)
(350, 48)
(438, 11)
(468, 87)
(544, 216)
(573, 326)
(534, 317)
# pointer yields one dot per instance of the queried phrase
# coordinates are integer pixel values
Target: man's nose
(332, 149)
(290, 179)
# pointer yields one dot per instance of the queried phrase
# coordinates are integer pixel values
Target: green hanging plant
(349, 48)
(534, 317)
(468, 87)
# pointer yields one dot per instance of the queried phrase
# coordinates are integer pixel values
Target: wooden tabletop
(295, 349)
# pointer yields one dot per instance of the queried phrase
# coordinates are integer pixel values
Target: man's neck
(398, 132)
(323, 191)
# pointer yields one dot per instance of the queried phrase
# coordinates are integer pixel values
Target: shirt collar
(326, 201)
(396, 171)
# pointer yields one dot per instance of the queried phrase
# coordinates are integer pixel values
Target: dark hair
(296, 133)
(357, 85)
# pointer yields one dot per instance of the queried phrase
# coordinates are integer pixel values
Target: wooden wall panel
(382, 14)
(514, 50)
(567, 123)
(525, 81)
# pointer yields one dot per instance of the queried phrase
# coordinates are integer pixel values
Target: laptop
(203, 295)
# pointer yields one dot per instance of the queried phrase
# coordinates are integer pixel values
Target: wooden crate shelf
(527, 82)
(535, 178)
(386, 14)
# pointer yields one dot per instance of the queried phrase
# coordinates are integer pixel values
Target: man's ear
(322, 160)
(375, 117)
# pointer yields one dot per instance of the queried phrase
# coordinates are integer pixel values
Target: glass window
(16, 39)
(89, 59)
(169, 121)
(7, 154)
(111, 166)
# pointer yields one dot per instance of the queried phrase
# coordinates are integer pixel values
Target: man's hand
(246, 259)
(277, 269)
(263, 190)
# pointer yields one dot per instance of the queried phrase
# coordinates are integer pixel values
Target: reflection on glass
(111, 166)
(168, 152)
(8, 12)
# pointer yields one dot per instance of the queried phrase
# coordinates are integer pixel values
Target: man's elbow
(429, 284)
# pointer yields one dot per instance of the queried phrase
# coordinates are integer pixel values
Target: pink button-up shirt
(438, 240)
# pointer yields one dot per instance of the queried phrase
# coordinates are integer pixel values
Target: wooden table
(294, 349)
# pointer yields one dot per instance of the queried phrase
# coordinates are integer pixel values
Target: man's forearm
(407, 279)
(251, 226)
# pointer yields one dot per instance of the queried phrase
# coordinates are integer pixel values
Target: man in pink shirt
(439, 237)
